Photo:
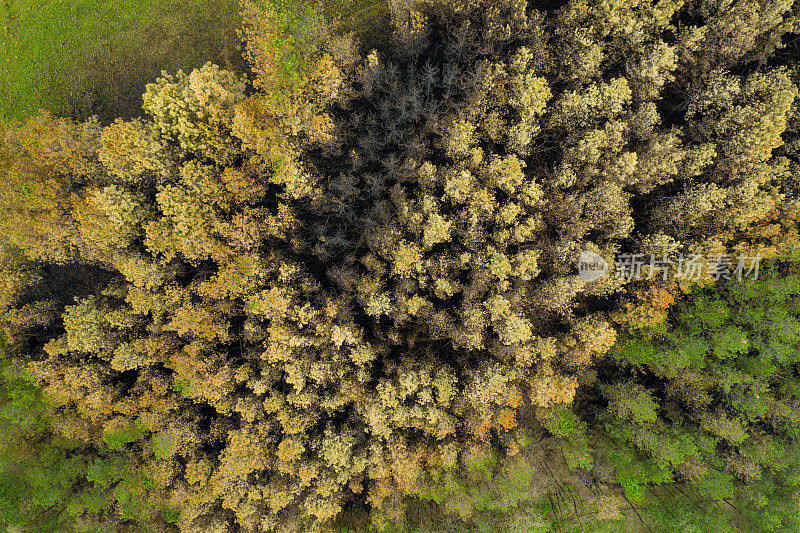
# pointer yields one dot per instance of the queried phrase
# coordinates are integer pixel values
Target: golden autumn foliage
(359, 276)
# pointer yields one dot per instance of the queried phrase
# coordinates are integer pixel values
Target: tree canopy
(351, 279)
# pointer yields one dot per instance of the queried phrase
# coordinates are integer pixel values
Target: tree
(708, 402)
(354, 283)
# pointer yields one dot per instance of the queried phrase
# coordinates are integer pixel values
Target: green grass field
(85, 57)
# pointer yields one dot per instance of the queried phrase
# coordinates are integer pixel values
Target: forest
(403, 266)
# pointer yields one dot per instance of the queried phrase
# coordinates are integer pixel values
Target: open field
(84, 57)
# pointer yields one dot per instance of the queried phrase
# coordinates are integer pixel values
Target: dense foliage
(352, 279)
(712, 400)
(57, 483)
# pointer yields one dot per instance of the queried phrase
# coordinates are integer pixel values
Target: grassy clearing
(368, 19)
(84, 57)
